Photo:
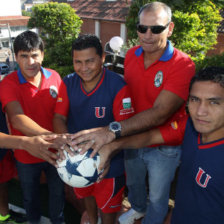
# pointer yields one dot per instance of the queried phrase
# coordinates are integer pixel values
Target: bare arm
(60, 123)
(60, 126)
(165, 105)
(36, 145)
(130, 142)
(22, 122)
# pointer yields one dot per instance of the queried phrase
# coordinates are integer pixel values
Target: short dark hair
(153, 6)
(85, 41)
(28, 41)
(213, 74)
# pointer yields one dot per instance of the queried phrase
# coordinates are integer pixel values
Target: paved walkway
(44, 220)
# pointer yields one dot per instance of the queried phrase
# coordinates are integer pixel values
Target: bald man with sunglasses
(158, 76)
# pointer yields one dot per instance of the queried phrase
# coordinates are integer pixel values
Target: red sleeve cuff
(173, 132)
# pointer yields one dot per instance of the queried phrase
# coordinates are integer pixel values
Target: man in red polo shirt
(28, 97)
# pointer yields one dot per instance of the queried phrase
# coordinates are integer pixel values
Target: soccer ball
(79, 170)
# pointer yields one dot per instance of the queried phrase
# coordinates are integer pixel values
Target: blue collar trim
(167, 55)
(22, 80)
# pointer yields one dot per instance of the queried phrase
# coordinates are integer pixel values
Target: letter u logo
(100, 112)
(199, 175)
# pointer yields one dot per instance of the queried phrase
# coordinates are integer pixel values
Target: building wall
(108, 30)
(219, 47)
(88, 26)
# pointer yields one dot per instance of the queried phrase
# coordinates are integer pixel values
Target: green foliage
(59, 25)
(62, 70)
(26, 13)
(56, 21)
(59, 53)
(196, 24)
(215, 60)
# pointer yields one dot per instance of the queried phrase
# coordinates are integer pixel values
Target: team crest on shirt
(202, 178)
(158, 79)
(100, 112)
(127, 107)
(53, 91)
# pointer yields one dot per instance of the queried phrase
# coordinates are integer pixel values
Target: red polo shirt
(37, 103)
(172, 72)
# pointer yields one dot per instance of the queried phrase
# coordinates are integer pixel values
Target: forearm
(59, 124)
(11, 141)
(142, 121)
(27, 126)
(144, 139)
(166, 104)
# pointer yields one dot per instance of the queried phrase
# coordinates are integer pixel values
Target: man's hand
(38, 146)
(93, 138)
(105, 158)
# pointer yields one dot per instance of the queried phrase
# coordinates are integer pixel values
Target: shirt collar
(167, 55)
(22, 80)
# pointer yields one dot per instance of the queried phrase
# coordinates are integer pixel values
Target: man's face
(206, 106)
(88, 65)
(30, 62)
(152, 43)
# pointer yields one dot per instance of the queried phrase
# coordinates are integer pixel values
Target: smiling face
(206, 106)
(153, 43)
(88, 65)
(30, 63)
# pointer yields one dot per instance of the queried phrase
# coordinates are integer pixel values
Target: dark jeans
(29, 176)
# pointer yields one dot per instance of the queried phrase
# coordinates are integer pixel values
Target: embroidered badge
(126, 103)
(127, 108)
(53, 91)
(158, 79)
(100, 112)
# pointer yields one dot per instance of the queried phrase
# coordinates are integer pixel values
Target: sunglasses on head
(154, 29)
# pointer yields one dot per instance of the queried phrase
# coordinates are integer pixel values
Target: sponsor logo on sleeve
(59, 100)
(174, 125)
(127, 107)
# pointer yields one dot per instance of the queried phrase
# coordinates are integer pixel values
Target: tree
(26, 13)
(59, 25)
(196, 24)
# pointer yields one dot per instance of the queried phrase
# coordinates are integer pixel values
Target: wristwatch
(115, 127)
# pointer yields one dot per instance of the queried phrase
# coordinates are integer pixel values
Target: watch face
(114, 126)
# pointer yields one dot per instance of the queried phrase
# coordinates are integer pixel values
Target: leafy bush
(59, 25)
(215, 60)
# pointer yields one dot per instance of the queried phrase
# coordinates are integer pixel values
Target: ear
(170, 29)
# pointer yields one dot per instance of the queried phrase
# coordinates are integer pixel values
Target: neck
(211, 137)
(152, 57)
(89, 86)
(36, 80)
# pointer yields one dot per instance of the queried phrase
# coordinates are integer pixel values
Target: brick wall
(219, 47)
(108, 30)
(88, 26)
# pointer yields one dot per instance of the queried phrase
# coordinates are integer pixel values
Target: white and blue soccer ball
(79, 170)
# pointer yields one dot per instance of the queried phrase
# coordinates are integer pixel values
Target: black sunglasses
(154, 29)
